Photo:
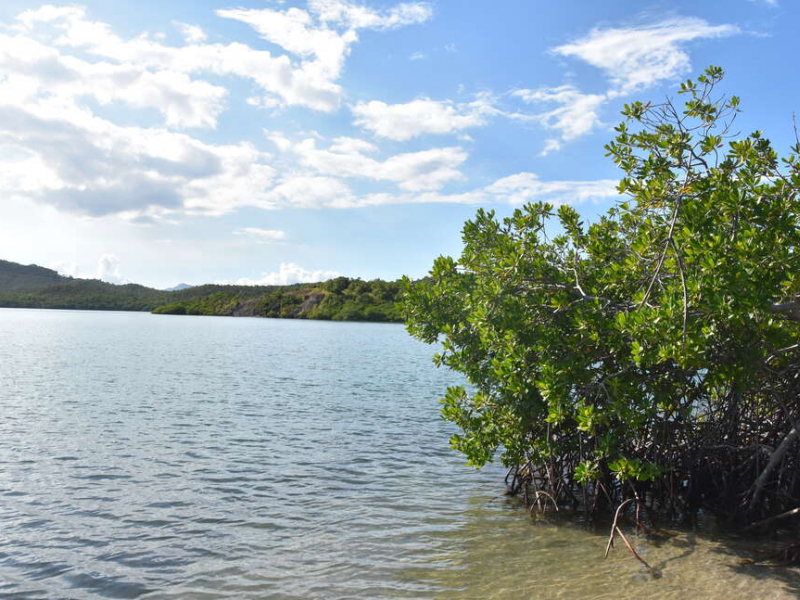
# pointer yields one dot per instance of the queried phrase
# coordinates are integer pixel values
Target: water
(209, 458)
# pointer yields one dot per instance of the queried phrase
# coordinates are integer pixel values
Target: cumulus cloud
(527, 187)
(576, 113)
(108, 269)
(262, 234)
(312, 191)
(515, 190)
(314, 42)
(57, 64)
(32, 70)
(638, 57)
(68, 269)
(356, 16)
(193, 34)
(84, 164)
(322, 36)
(420, 177)
(402, 122)
(634, 58)
(349, 158)
(289, 273)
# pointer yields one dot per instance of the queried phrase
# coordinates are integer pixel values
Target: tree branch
(776, 458)
(791, 310)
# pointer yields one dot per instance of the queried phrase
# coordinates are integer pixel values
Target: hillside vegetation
(15, 277)
(340, 299)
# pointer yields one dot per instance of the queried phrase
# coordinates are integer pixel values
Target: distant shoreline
(339, 299)
(146, 312)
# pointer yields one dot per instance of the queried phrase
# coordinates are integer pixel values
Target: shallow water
(204, 458)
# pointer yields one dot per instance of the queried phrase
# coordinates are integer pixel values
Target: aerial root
(616, 530)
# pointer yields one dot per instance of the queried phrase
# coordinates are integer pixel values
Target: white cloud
(289, 273)
(264, 234)
(321, 37)
(33, 70)
(323, 50)
(402, 122)
(550, 146)
(528, 187)
(310, 191)
(108, 269)
(81, 163)
(68, 269)
(56, 64)
(638, 57)
(317, 42)
(193, 34)
(514, 189)
(47, 14)
(355, 16)
(413, 171)
(417, 56)
(576, 115)
(279, 139)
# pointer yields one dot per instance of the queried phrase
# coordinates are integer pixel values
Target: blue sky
(276, 142)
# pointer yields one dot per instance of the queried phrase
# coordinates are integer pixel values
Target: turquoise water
(148, 456)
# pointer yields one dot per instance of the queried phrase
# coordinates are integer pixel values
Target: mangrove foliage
(652, 354)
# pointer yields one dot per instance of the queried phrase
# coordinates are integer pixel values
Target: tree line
(340, 299)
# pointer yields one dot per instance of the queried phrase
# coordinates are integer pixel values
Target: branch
(776, 458)
(663, 253)
(614, 526)
(788, 513)
(615, 529)
(791, 310)
(682, 271)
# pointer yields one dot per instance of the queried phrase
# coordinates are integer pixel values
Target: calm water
(205, 458)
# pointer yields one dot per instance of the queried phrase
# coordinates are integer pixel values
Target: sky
(287, 141)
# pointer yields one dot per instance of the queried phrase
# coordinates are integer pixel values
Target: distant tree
(337, 285)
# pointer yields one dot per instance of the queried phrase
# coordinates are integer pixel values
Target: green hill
(19, 278)
(340, 299)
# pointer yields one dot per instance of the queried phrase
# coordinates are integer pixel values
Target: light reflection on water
(183, 458)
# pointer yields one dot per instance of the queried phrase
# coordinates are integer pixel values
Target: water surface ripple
(212, 458)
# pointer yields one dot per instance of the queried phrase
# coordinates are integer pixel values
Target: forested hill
(341, 299)
(15, 277)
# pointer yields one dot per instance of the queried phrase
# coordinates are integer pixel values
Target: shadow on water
(761, 564)
(499, 553)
